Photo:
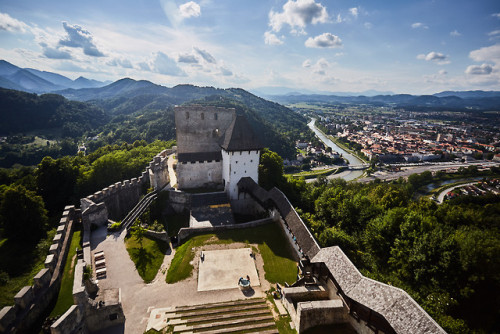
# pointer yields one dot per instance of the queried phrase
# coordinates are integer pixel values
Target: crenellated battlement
(31, 301)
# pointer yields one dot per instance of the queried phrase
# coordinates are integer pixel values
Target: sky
(401, 46)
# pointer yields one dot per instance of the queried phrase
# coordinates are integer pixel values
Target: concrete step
(220, 310)
(231, 322)
(269, 331)
(231, 303)
(242, 328)
(203, 317)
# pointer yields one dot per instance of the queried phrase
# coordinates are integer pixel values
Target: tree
(270, 169)
(138, 232)
(22, 214)
(56, 180)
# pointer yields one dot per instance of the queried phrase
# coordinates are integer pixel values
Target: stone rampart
(31, 302)
(158, 169)
(186, 232)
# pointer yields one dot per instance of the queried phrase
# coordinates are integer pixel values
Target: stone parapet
(42, 279)
(7, 317)
(24, 297)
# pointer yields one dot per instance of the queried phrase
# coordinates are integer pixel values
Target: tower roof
(240, 137)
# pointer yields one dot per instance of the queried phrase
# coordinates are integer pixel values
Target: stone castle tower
(216, 148)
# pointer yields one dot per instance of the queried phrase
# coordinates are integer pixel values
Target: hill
(36, 81)
(23, 112)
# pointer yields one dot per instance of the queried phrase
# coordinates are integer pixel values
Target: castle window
(251, 160)
(215, 116)
(245, 172)
(202, 116)
(187, 114)
(236, 161)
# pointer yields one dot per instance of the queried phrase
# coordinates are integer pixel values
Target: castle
(215, 148)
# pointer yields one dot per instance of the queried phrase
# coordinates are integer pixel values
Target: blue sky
(331, 46)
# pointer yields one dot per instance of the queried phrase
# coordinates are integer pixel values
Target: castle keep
(215, 149)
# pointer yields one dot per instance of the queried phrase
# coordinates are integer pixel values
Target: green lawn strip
(315, 173)
(279, 263)
(65, 297)
(147, 259)
(283, 324)
(21, 263)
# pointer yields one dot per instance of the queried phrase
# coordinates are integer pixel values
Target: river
(350, 175)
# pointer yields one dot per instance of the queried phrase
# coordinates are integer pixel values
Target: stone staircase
(242, 316)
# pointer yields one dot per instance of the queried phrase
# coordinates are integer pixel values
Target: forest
(447, 257)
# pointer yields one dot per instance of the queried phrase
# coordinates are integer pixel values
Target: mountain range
(36, 81)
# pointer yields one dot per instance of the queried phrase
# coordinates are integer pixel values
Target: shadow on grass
(143, 259)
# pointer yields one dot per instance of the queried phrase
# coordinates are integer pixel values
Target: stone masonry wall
(31, 301)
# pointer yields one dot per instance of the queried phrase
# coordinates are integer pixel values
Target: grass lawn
(279, 263)
(65, 297)
(21, 263)
(147, 259)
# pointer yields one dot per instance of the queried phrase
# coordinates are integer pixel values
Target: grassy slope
(147, 259)
(65, 297)
(279, 263)
(27, 264)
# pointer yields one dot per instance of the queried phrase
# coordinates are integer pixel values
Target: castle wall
(31, 302)
(236, 165)
(199, 128)
(199, 174)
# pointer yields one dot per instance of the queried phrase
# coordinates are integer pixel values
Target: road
(443, 193)
(407, 171)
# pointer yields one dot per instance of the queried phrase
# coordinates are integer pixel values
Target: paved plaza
(221, 269)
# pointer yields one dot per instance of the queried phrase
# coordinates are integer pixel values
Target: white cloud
(187, 58)
(120, 62)
(419, 25)
(298, 14)
(205, 55)
(326, 40)
(487, 54)
(225, 72)
(368, 25)
(77, 37)
(271, 39)
(455, 33)
(435, 57)
(190, 9)
(354, 11)
(497, 15)
(339, 19)
(442, 72)
(54, 53)
(163, 64)
(494, 34)
(9, 23)
(306, 63)
(483, 69)
(144, 66)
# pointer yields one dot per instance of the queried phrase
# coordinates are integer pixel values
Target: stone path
(139, 298)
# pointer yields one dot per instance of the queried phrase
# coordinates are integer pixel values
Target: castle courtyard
(214, 280)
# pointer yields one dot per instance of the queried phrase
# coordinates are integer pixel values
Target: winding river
(347, 175)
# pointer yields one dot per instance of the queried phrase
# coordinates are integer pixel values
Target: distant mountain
(31, 82)
(471, 94)
(272, 91)
(417, 102)
(57, 79)
(36, 81)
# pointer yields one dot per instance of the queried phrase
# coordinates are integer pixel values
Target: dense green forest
(447, 257)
